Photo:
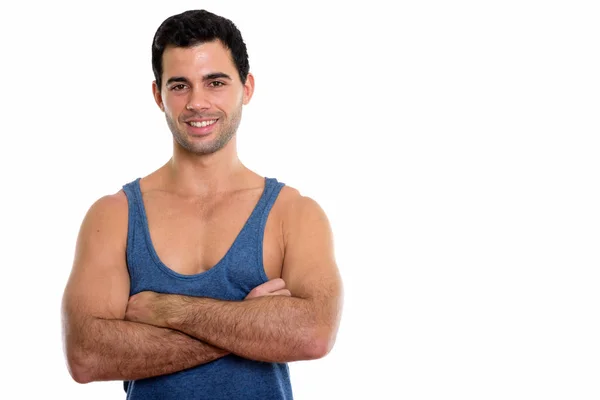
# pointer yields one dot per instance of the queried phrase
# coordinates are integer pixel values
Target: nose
(198, 100)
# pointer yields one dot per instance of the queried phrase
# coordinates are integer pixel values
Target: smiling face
(202, 96)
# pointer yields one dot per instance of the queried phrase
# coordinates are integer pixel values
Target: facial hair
(225, 131)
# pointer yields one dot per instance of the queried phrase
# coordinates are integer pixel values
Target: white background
(454, 146)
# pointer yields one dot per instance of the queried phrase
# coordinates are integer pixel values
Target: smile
(202, 124)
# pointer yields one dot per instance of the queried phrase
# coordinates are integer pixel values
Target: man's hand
(148, 308)
(155, 308)
(274, 287)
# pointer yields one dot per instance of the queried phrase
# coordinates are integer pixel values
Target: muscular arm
(120, 350)
(271, 328)
(99, 344)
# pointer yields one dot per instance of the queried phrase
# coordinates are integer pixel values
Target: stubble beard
(226, 131)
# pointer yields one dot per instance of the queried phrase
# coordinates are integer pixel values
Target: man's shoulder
(288, 194)
(113, 200)
(289, 198)
(296, 206)
(110, 207)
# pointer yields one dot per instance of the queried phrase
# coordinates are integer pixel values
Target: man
(202, 279)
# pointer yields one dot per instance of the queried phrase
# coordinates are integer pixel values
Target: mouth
(201, 124)
(201, 127)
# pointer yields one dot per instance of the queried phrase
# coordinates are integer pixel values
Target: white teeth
(203, 123)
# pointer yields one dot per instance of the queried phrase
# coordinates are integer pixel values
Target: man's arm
(98, 343)
(269, 328)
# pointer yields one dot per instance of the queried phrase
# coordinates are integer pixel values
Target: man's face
(202, 96)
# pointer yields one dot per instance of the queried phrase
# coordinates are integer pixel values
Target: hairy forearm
(270, 328)
(102, 349)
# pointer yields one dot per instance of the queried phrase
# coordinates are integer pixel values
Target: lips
(201, 127)
(202, 124)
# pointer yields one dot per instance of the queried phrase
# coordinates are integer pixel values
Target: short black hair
(194, 27)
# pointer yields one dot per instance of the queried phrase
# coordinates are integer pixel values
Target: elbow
(80, 376)
(80, 373)
(317, 349)
(80, 367)
(319, 345)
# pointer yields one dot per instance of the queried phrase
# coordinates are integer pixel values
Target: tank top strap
(135, 225)
(132, 191)
(259, 217)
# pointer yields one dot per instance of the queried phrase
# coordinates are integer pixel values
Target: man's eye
(178, 87)
(216, 84)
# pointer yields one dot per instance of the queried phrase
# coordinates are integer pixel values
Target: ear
(248, 88)
(157, 96)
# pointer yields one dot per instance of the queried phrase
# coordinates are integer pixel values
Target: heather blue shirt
(239, 271)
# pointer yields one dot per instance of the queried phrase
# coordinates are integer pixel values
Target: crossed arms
(109, 336)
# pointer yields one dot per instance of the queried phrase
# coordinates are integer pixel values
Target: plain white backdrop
(454, 146)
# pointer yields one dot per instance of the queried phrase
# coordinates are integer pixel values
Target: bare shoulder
(103, 227)
(299, 211)
(108, 210)
(294, 202)
(116, 202)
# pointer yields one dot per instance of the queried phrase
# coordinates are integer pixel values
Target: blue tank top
(239, 271)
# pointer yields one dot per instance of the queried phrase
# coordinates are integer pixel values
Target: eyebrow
(216, 75)
(207, 77)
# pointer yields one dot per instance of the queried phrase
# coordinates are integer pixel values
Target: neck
(200, 175)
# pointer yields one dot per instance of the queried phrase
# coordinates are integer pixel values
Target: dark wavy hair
(195, 27)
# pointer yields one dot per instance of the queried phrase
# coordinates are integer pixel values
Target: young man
(202, 279)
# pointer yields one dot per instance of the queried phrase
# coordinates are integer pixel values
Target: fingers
(273, 287)
(282, 292)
